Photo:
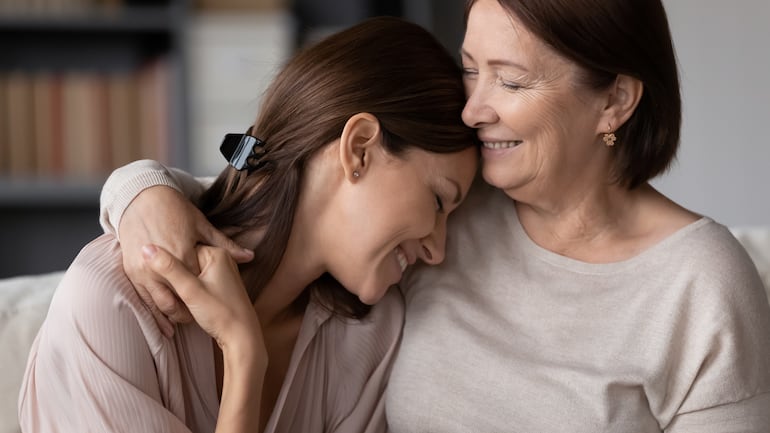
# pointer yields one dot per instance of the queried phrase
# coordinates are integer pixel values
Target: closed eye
(510, 85)
(439, 204)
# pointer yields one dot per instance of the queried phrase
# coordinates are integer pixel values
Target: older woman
(574, 296)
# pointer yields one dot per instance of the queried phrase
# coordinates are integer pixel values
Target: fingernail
(149, 251)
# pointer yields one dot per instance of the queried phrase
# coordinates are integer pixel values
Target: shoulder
(357, 348)
(358, 357)
(716, 257)
(484, 202)
(96, 297)
(375, 333)
(725, 319)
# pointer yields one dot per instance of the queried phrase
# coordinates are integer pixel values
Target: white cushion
(23, 305)
(756, 241)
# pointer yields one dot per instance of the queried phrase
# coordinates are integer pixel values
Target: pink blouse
(100, 363)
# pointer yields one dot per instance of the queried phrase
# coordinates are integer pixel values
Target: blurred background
(89, 85)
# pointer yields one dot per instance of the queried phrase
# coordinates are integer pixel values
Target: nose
(433, 246)
(477, 111)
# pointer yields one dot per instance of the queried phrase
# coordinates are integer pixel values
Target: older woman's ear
(360, 134)
(622, 99)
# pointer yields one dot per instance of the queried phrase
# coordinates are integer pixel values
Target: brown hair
(385, 66)
(611, 37)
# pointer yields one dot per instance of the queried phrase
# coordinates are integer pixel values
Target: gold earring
(609, 137)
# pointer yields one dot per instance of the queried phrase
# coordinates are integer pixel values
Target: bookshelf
(85, 86)
(94, 53)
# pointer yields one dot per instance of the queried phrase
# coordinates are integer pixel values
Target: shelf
(49, 193)
(85, 68)
(129, 19)
(89, 39)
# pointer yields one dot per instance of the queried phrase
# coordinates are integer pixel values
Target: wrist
(246, 352)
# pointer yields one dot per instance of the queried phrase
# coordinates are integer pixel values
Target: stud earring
(356, 174)
(609, 137)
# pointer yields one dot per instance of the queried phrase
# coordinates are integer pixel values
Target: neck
(581, 218)
(298, 268)
(302, 261)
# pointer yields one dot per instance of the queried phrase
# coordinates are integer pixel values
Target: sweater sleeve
(99, 362)
(730, 380)
(126, 182)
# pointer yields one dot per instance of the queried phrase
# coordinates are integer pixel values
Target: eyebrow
(496, 62)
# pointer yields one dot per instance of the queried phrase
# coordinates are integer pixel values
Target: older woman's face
(538, 125)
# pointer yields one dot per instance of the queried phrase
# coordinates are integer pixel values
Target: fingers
(216, 238)
(165, 325)
(167, 303)
(176, 274)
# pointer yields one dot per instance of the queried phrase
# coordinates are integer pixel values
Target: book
(153, 90)
(20, 132)
(123, 107)
(80, 123)
(44, 131)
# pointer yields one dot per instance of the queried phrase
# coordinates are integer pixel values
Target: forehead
(457, 166)
(493, 34)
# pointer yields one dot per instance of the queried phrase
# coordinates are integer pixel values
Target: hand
(162, 216)
(216, 298)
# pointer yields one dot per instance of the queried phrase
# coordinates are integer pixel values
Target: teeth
(501, 144)
(402, 261)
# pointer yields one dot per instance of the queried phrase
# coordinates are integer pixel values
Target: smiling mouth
(501, 144)
(402, 260)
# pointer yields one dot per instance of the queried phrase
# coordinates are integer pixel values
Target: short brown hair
(386, 66)
(611, 37)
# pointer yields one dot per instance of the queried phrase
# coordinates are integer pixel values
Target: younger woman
(346, 178)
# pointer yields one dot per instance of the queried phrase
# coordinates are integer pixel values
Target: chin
(496, 176)
(373, 297)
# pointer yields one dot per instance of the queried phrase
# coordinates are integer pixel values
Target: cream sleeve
(126, 182)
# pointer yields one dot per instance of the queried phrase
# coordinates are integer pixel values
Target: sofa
(24, 303)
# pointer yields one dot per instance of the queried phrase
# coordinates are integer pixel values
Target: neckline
(530, 247)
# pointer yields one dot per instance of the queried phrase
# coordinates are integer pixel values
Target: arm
(99, 362)
(218, 301)
(750, 415)
(144, 200)
(127, 182)
(730, 377)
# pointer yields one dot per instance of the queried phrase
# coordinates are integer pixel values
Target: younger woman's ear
(359, 136)
(622, 99)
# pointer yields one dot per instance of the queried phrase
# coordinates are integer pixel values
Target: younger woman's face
(397, 215)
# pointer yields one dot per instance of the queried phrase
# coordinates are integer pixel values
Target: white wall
(233, 58)
(723, 168)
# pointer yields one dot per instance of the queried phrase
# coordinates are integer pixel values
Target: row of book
(53, 6)
(81, 124)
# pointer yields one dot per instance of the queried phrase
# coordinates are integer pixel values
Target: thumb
(216, 238)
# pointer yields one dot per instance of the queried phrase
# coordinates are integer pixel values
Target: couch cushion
(756, 241)
(23, 305)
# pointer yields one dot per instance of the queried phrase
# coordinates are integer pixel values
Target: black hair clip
(242, 151)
